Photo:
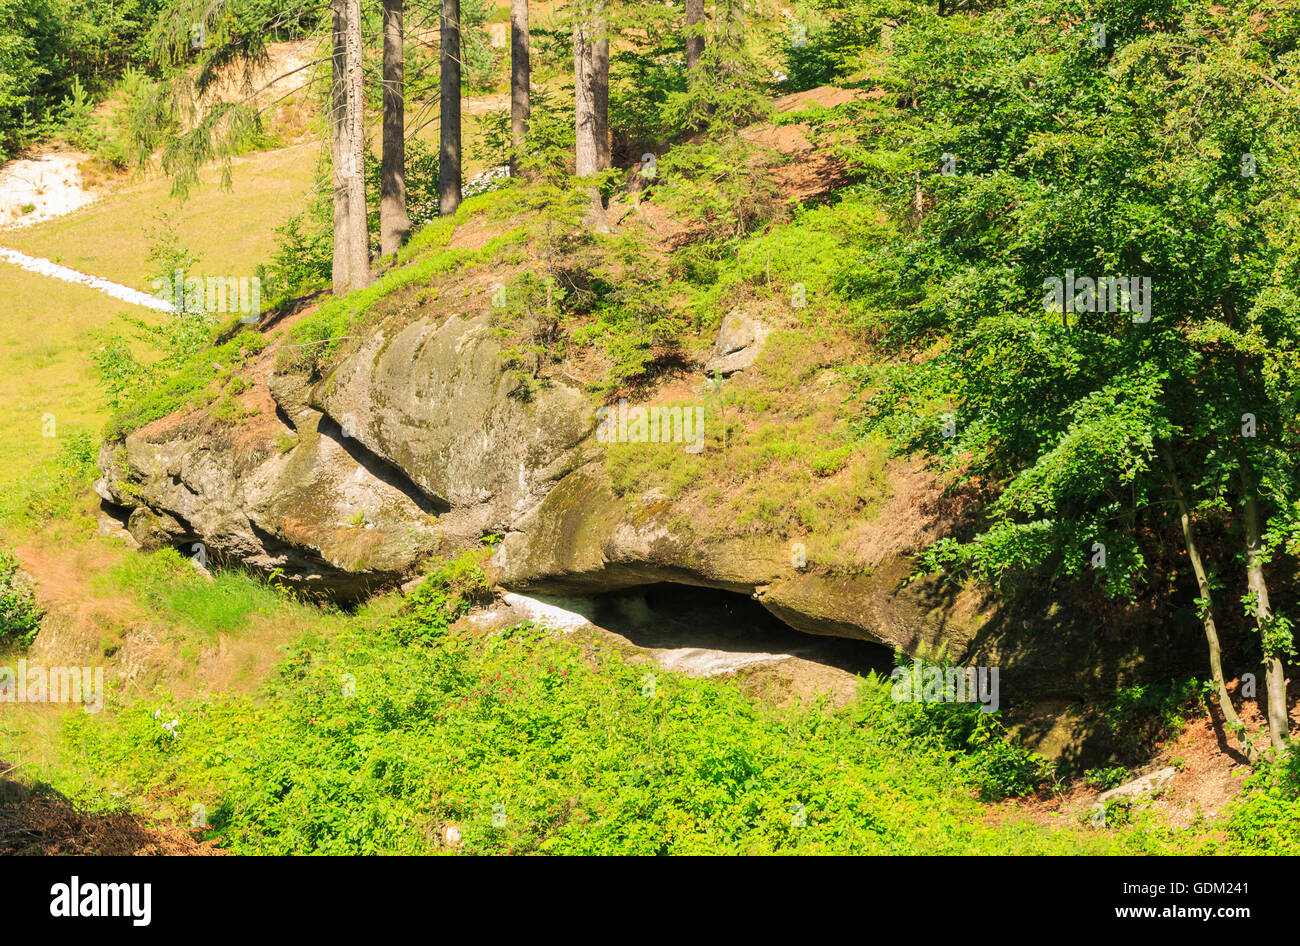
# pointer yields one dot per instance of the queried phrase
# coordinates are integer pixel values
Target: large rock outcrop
(422, 440)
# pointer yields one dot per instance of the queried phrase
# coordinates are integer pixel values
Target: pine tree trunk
(600, 85)
(351, 266)
(449, 152)
(694, 43)
(520, 77)
(1275, 673)
(586, 154)
(586, 149)
(341, 273)
(1231, 720)
(394, 222)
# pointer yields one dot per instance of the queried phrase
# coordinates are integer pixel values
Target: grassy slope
(231, 230)
(47, 334)
(561, 739)
(49, 328)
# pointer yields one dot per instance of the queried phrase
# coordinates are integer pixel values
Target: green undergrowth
(187, 384)
(778, 454)
(1265, 819)
(20, 615)
(381, 737)
(317, 338)
(173, 590)
(812, 264)
(55, 487)
(781, 455)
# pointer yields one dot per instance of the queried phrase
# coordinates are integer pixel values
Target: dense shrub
(20, 615)
(1266, 818)
(379, 738)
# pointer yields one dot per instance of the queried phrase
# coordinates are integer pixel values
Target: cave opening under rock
(671, 616)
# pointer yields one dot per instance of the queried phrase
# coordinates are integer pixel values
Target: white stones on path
(44, 267)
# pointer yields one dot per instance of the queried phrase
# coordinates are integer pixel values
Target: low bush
(20, 615)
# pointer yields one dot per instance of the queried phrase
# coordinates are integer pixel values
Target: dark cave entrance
(671, 616)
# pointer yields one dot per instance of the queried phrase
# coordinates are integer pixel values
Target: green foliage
(445, 595)
(723, 184)
(646, 74)
(170, 585)
(1140, 716)
(802, 262)
(1265, 819)
(826, 41)
(479, 60)
(188, 362)
(20, 615)
(304, 249)
(106, 138)
(303, 259)
(198, 47)
(983, 751)
(188, 381)
(54, 488)
(731, 89)
(1105, 778)
(1060, 165)
(314, 340)
(548, 145)
(421, 190)
(601, 293)
(120, 372)
(633, 321)
(57, 56)
(367, 745)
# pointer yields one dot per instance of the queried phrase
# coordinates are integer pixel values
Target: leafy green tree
(1032, 153)
(32, 79)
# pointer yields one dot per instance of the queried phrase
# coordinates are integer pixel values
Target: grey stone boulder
(1150, 784)
(739, 342)
(292, 498)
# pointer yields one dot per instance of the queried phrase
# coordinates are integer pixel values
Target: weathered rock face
(292, 497)
(434, 401)
(582, 539)
(420, 441)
